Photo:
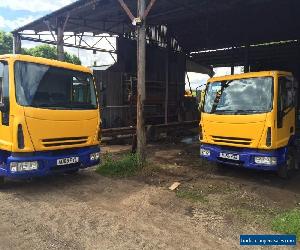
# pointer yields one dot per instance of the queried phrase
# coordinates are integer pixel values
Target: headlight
(23, 166)
(204, 152)
(265, 160)
(95, 156)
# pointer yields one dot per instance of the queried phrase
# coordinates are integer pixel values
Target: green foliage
(72, 59)
(50, 52)
(6, 43)
(288, 223)
(128, 165)
(45, 51)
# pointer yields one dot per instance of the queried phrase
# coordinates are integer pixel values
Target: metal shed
(212, 32)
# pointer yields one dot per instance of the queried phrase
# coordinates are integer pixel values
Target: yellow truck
(49, 117)
(249, 120)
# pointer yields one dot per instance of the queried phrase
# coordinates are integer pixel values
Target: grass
(193, 195)
(288, 223)
(128, 165)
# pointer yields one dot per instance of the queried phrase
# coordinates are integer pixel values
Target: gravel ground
(89, 211)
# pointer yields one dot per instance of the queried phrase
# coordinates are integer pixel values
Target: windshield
(44, 86)
(241, 96)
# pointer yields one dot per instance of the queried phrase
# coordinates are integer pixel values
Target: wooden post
(17, 44)
(60, 40)
(232, 60)
(141, 92)
(246, 66)
(167, 78)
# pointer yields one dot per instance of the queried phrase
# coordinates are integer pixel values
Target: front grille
(232, 140)
(65, 167)
(231, 162)
(66, 141)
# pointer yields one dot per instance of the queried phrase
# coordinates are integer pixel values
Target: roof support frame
(78, 46)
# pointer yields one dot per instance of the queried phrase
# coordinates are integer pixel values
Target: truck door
(5, 129)
(286, 112)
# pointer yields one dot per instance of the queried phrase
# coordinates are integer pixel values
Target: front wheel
(1, 180)
(73, 171)
(285, 171)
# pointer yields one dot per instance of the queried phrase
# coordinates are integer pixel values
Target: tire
(220, 166)
(286, 170)
(2, 180)
(73, 171)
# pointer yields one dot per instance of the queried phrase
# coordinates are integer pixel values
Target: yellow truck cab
(49, 117)
(249, 120)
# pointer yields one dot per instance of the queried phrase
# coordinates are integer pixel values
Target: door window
(286, 98)
(3, 81)
(286, 93)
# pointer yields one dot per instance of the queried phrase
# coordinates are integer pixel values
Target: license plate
(230, 156)
(67, 161)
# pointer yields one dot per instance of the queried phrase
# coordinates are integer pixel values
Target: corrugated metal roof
(196, 24)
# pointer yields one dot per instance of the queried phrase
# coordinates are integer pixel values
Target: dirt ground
(89, 211)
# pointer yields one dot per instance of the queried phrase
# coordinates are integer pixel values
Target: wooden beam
(50, 29)
(247, 66)
(232, 60)
(127, 10)
(17, 44)
(167, 62)
(60, 41)
(149, 7)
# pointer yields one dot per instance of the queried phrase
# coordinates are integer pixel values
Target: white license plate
(230, 156)
(67, 161)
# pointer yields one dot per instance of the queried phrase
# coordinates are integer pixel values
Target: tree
(46, 51)
(50, 52)
(6, 43)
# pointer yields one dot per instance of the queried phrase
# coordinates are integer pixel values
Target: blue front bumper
(246, 156)
(47, 161)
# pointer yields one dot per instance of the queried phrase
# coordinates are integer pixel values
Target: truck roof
(249, 75)
(45, 61)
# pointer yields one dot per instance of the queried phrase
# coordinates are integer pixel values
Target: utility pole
(60, 39)
(140, 23)
(247, 65)
(167, 75)
(232, 60)
(141, 79)
(17, 44)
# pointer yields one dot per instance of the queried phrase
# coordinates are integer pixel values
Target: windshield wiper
(64, 106)
(224, 111)
(239, 111)
(80, 106)
(247, 111)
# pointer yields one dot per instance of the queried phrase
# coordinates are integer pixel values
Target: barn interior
(182, 36)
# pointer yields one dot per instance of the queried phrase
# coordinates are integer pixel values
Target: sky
(16, 13)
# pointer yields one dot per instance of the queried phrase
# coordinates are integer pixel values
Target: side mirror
(1, 70)
(4, 107)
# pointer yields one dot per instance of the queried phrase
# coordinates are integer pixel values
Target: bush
(288, 223)
(127, 165)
